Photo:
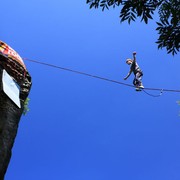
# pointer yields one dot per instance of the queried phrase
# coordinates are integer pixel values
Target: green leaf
(26, 108)
(159, 24)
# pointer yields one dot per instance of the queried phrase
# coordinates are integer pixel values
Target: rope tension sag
(102, 78)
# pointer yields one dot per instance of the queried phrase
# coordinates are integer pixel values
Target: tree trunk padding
(9, 118)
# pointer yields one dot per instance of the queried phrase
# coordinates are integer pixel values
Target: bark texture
(10, 116)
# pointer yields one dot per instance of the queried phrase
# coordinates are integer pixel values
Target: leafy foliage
(26, 108)
(169, 26)
(169, 14)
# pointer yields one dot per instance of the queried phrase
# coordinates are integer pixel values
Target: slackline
(103, 78)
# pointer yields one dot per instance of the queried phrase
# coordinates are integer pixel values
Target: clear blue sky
(81, 128)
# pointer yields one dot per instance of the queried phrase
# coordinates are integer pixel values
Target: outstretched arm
(134, 56)
(128, 75)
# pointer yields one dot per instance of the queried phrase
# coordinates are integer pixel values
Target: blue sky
(82, 128)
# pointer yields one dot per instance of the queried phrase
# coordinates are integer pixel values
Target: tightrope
(102, 78)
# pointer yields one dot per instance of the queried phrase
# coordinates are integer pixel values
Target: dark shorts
(138, 78)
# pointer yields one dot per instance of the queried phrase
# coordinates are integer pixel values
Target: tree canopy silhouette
(168, 26)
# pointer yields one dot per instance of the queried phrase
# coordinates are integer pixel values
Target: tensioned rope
(102, 78)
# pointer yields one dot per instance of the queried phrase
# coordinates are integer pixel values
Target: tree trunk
(9, 120)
